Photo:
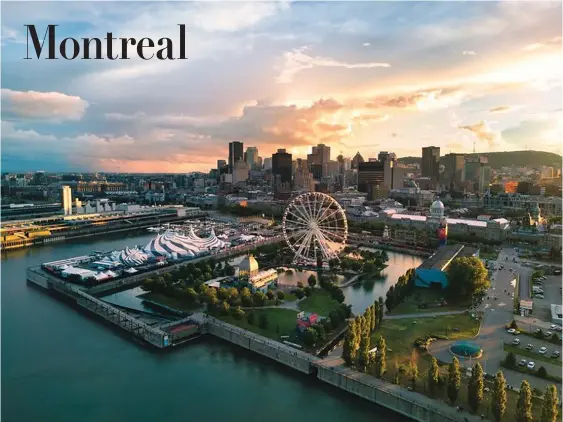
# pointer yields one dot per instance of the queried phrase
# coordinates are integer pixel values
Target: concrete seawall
(279, 352)
(393, 397)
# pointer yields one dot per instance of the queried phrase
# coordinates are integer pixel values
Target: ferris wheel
(315, 227)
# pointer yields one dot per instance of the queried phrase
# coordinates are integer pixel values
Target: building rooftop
(444, 255)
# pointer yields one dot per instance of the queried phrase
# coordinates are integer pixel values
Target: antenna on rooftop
(473, 146)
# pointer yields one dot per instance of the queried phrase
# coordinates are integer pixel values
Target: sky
(357, 76)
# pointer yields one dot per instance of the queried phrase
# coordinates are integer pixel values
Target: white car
(512, 330)
(549, 333)
(531, 365)
(543, 350)
(553, 327)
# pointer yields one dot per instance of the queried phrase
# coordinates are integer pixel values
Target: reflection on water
(362, 295)
(292, 278)
(129, 298)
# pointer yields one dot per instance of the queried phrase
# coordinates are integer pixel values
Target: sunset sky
(363, 76)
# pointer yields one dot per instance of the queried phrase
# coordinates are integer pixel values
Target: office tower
(303, 180)
(320, 155)
(393, 175)
(267, 163)
(222, 168)
(235, 154)
(240, 172)
(259, 163)
(251, 157)
(281, 169)
(369, 174)
(431, 162)
(357, 160)
(454, 170)
(67, 200)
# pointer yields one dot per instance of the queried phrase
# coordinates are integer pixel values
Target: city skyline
(362, 77)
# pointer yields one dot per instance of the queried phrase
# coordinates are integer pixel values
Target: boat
(153, 229)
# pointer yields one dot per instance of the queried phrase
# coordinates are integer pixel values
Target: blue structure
(432, 272)
(466, 349)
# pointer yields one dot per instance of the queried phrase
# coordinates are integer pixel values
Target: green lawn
(170, 302)
(521, 351)
(289, 297)
(491, 254)
(400, 334)
(422, 295)
(319, 302)
(281, 322)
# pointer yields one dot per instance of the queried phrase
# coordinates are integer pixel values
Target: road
(498, 311)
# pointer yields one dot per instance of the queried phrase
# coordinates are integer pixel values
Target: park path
(424, 315)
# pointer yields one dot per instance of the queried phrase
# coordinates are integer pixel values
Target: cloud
(469, 53)
(545, 131)
(54, 106)
(483, 132)
(297, 60)
(365, 118)
(366, 44)
(554, 42)
(503, 109)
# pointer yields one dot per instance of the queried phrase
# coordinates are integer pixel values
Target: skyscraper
(235, 154)
(454, 165)
(357, 160)
(320, 155)
(67, 200)
(251, 157)
(431, 162)
(369, 174)
(281, 169)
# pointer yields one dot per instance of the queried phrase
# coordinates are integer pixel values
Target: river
(60, 365)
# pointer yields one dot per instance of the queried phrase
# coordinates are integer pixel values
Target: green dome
(466, 349)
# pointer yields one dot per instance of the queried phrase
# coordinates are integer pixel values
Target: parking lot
(552, 295)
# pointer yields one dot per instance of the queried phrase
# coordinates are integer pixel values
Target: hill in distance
(509, 158)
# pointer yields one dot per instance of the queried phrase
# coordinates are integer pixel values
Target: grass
(281, 322)
(521, 351)
(400, 334)
(170, 302)
(422, 295)
(289, 297)
(489, 254)
(319, 302)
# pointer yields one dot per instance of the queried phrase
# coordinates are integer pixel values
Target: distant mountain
(508, 158)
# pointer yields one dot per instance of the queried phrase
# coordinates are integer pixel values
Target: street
(498, 309)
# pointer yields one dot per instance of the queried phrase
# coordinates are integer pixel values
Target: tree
(498, 399)
(376, 313)
(542, 372)
(280, 294)
(190, 295)
(373, 318)
(510, 360)
(413, 374)
(550, 407)
(263, 321)
(338, 295)
(475, 388)
(300, 285)
(222, 294)
(319, 328)
(270, 294)
(454, 380)
(466, 277)
(524, 403)
(380, 309)
(363, 354)
(299, 293)
(310, 337)
(349, 346)
(380, 357)
(225, 308)
(229, 270)
(308, 291)
(312, 280)
(433, 376)
(335, 319)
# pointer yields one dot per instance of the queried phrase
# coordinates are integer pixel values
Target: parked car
(558, 328)
(549, 333)
(543, 350)
(555, 354)
(537, 330)
(553, 327)
(539, 296)
(531, 365)
(529, 346)
(513, 331)
(523, 362)
(516, 342)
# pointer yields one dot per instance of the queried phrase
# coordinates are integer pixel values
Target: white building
(67, 200)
